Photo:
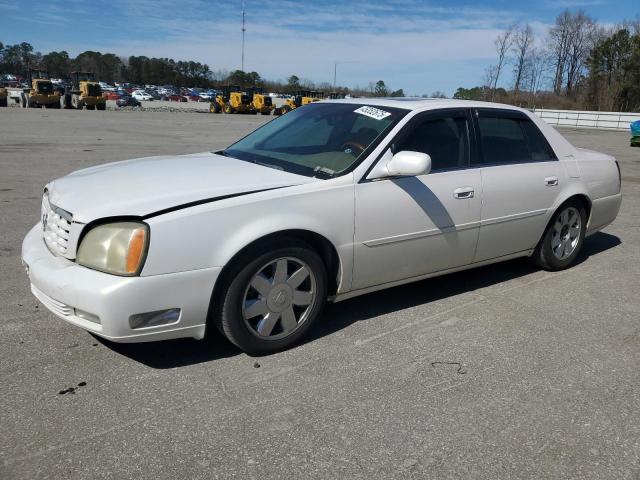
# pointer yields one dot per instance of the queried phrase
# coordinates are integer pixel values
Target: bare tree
(522, 44)
(558, 43)
(488, 82)
(535, 73)
(503, 44)
(582, 35)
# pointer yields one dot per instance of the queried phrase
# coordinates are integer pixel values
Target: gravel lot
(500, 372)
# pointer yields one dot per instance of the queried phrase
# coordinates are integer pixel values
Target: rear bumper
(66, 288)
(603, 212)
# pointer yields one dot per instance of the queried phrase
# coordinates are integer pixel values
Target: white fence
(573, 118)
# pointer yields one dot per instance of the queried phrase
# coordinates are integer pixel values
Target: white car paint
(141, 95)
(203, 209)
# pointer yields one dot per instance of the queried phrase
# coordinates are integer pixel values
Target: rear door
(521, 178)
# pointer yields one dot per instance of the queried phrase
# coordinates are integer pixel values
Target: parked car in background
(111, 95)
(177, 98)
(332, 200)
(127, 101)
(141, 95)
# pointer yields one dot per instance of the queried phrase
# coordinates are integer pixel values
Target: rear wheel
(101, 106)
(76, 102)
(3, 102)
(271, 300)
(563, 238)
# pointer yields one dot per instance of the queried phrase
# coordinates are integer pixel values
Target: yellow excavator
(261, 103)
(40, 92)
(83, 91)
(231, 100)
(302, 97)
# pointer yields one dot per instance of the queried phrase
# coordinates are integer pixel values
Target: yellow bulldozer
(40, 92)
(83, 91)
(261, 103)
(231, 99)
(302, 97)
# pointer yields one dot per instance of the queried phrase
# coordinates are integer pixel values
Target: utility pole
(243, 30)
(335, 70)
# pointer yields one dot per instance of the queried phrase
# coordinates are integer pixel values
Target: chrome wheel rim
(566, 233)
(279, 298)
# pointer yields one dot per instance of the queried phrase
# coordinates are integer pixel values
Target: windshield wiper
(269, 165)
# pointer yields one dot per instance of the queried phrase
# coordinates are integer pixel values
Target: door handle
(463, 193)
(551, 181)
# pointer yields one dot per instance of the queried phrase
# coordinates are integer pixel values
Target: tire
(228, 109)
(3, 102)
(76, 102)
(562, 240)
(101, 106)
(268, 326)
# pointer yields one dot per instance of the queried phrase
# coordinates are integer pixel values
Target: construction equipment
(231, 100)
(40, 92)
(83, 91)
(302, 97)
(261, 103)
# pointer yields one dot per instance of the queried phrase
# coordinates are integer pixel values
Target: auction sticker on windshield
(372, 112)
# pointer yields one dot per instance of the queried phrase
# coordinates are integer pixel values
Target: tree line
(140, 70)
(578, 64)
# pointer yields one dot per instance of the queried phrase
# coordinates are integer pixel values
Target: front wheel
(563, 238)
(268, 303)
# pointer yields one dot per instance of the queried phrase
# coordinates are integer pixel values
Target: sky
(420, 46)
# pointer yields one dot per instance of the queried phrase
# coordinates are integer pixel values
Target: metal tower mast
(243, 30)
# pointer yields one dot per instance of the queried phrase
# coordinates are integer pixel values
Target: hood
(147, 185)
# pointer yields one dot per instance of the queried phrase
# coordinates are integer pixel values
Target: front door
(410, 226)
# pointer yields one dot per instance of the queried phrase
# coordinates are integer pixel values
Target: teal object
(635, 133)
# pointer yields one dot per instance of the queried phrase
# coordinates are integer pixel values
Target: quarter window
(445, 139)
(512, 140)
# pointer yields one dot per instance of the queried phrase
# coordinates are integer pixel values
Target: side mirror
(402, 164)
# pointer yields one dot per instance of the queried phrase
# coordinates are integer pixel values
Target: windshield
(45, 87)
(320, 139)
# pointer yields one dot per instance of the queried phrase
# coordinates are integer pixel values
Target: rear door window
(511, 137)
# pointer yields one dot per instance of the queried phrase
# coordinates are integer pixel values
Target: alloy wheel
(279, 298)
(566, 233)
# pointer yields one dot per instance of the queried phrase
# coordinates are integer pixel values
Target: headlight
(119, 248)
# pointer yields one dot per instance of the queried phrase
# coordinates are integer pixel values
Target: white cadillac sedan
(333, 200)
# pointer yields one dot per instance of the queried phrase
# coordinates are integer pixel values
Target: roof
(418, 103)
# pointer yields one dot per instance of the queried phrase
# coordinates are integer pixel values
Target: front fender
(210, 235)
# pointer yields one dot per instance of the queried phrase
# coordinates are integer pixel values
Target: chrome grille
(56, 227)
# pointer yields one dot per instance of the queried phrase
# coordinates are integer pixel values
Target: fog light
(154, 319)
(89, 317)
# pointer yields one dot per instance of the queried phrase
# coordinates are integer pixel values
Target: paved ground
(501, 372)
